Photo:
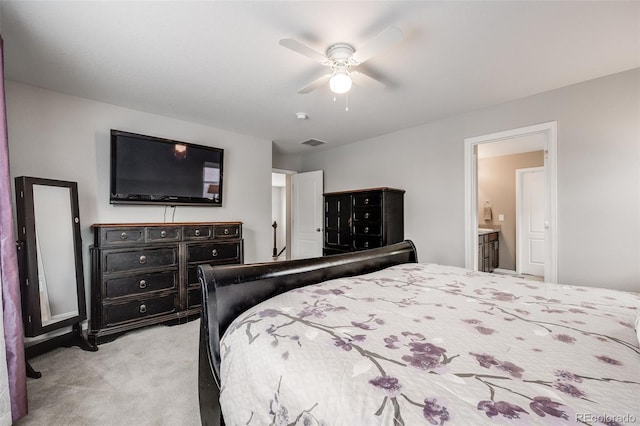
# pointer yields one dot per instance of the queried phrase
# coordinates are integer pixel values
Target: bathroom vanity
(488, 249)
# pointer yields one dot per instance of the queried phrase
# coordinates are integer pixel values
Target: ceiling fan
(342, 58)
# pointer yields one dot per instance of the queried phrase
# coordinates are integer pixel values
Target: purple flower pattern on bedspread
(421, 344)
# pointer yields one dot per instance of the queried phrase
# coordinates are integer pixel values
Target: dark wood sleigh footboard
(228, 291)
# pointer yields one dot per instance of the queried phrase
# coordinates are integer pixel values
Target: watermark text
(606, 418)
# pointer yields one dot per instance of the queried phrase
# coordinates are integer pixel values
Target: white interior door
(306, 239)
(531, 221)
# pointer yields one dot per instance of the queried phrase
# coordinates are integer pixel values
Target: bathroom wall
(497, 184)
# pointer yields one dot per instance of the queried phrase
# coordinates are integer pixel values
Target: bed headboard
(228, 291)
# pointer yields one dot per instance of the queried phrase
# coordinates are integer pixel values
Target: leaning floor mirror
(51, 271)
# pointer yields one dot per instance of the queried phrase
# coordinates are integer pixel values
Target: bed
(376, 338)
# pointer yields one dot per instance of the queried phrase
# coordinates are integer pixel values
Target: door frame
(550, 129)
(288, 213)
(519, 240)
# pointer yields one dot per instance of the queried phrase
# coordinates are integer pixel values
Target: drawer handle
(226, 231)
(163, 234)
(366, 215)
(366, 201)
(366, 229)
(143, 284)
(366, 244)
(214, 253)
(143, 259)
(143, 309)
(123, 236)
(197, 233)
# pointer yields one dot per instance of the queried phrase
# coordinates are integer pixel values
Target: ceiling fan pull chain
(346, 101)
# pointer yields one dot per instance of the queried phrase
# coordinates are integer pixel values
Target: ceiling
(220, 64)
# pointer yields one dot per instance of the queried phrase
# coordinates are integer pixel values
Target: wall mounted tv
(150, 170)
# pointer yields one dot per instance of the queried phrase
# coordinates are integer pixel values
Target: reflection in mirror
(55, 253)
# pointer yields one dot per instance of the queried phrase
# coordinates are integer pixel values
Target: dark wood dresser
(146, 273)
(363, 219)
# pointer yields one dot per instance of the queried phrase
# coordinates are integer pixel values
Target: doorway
(510, 139)
(297, 214)
(280, 214)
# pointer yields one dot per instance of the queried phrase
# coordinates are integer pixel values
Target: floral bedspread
(420, 344)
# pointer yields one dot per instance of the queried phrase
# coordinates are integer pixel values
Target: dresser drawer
(197, 232)
(121, 236)
(337, 220)
(194, 298)
(164, 233)
(362, 243)
(334, 238)
(140, 284)
(192, 276)
(213, 252)
(367, 214)
(192, 271)
(129, 260)
(226, 231)
(367, 199)
(493, 236)
(366, 229)
(117, 313)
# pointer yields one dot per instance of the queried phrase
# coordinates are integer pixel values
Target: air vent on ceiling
(313, 142)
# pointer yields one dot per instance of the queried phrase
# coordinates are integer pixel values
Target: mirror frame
(28, 260)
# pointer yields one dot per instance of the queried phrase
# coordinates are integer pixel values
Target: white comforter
(420, 344)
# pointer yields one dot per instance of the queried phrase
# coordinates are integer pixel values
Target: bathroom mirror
(51, 272)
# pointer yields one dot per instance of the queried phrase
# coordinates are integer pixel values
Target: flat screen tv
(151, 170)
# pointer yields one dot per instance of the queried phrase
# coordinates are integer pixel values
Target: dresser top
(125, 225)
(366, 190)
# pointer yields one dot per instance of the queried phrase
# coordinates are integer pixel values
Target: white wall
(283, 161)
(598, 176)
(56, 136)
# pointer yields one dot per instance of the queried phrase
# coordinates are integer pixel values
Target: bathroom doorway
(498, 169)
(510, 146)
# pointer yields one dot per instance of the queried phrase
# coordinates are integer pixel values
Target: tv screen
(146, 169)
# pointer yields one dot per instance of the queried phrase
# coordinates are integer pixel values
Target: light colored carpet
(145, 377)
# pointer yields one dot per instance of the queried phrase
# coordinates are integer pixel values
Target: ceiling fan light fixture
(341, 57)
(340, 82)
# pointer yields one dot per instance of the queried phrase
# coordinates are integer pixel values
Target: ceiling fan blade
(382, 41)
(298, 47)
(315, 84)
(362, 79)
